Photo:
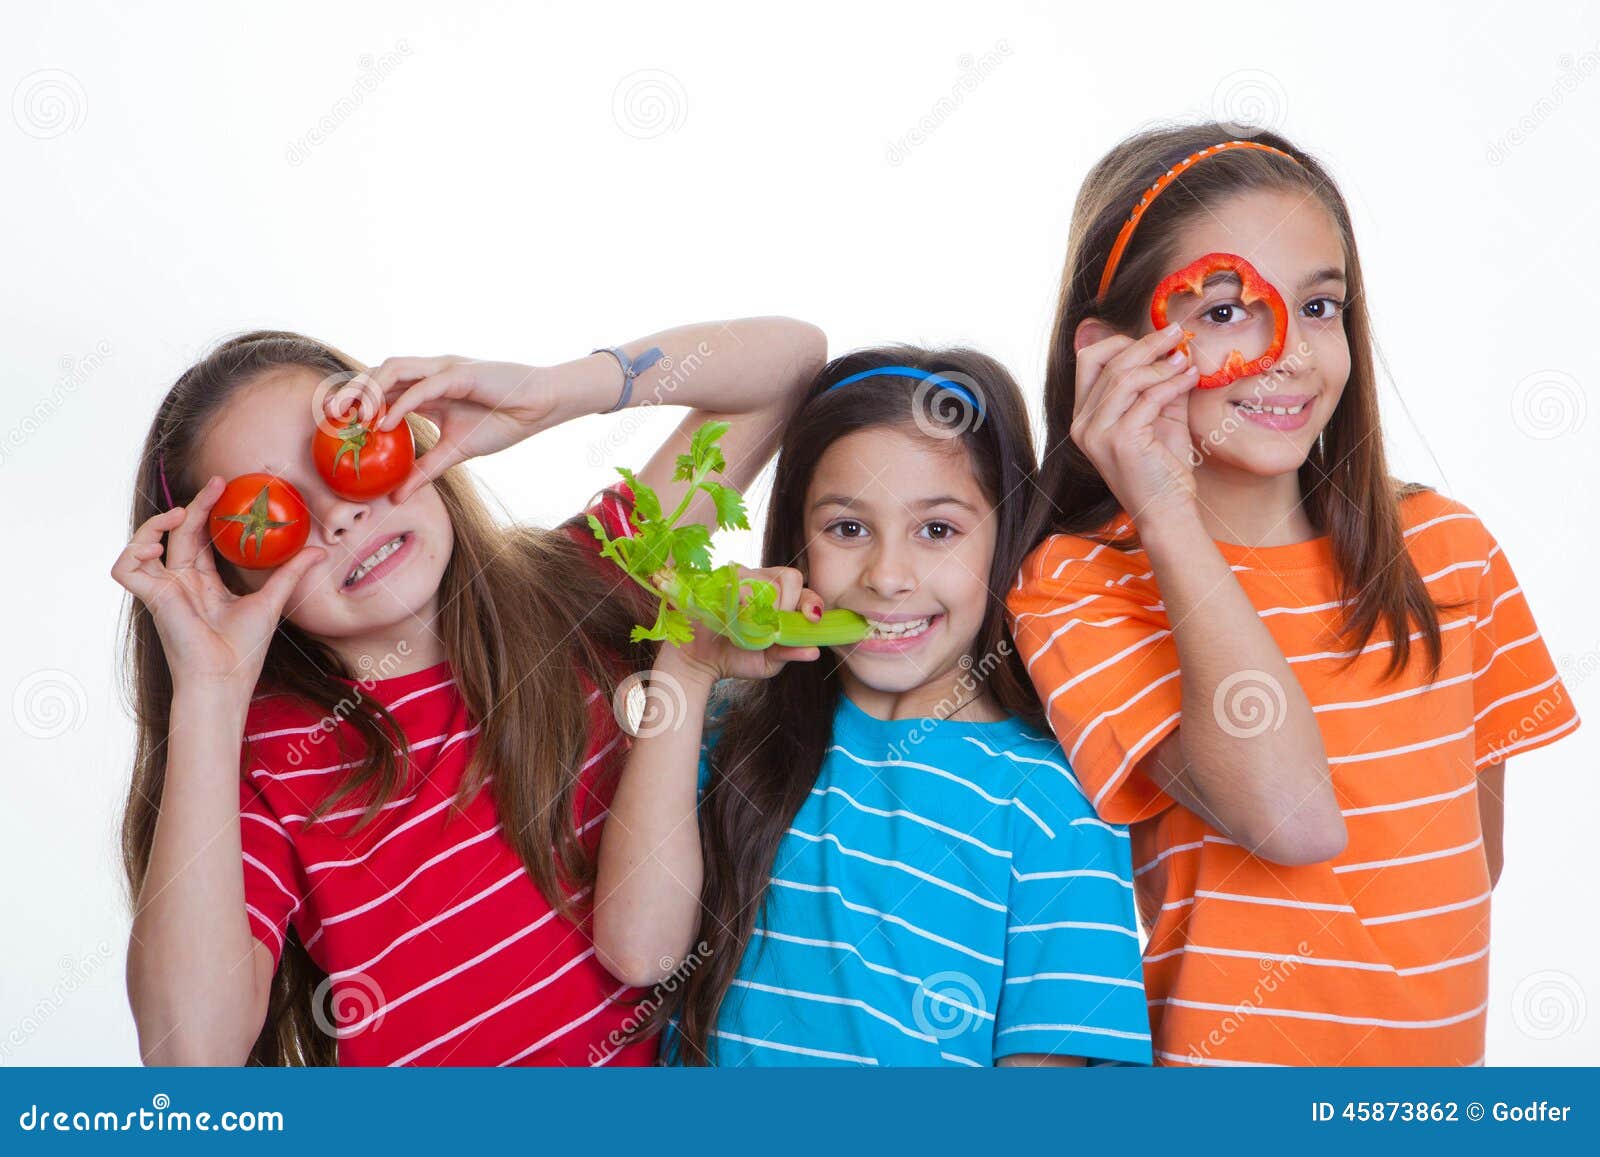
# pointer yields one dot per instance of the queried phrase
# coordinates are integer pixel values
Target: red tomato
(358, 461)
(259, 521)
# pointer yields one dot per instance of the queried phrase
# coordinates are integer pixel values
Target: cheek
(1208, 413)
(963, 581)
(829, 570)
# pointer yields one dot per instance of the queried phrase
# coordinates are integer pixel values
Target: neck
(953, 696)
(1249, 509)
(402, 649)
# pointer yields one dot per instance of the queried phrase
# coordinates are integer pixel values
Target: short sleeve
(612, 507)
(273, 886)
(1073, 982)
(1090, 629)
(1519, 700)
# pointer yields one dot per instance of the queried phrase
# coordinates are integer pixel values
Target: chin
(1265, 461)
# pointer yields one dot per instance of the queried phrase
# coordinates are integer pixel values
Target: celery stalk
(673, 562)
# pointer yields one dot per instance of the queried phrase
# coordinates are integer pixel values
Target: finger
(793, 654)
(1129, 356)
(133, 572)
(810, 604)
(447, 383)
(187, 545)
(1150, 403)
(277, 589)
(396, 372)
(1148, 348)
(355, 399)
(1089, 373)
(152, 528)
(1122, 393)
(789, 583)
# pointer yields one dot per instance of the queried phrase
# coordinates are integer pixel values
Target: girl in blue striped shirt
(878, 855)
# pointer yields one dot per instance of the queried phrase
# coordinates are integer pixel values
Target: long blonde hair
(523, 613)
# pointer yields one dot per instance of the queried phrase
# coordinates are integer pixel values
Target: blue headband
(920, 375)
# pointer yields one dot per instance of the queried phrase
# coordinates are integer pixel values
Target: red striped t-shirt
(438, 947)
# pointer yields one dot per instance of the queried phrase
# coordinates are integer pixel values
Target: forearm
(1266, 786)
(648, 888)
(191, 972)
(746, 366)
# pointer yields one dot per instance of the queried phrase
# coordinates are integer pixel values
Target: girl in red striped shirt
(368, 784)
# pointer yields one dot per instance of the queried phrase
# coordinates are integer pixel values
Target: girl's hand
(715, 657)
(1132, 418)
(210, 635)
(479, 407)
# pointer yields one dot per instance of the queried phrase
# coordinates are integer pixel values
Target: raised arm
(1270, 792)
(748, 373)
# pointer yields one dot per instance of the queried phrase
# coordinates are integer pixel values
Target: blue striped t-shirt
(945, 895)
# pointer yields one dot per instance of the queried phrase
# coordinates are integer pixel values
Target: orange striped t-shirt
(1380, 955)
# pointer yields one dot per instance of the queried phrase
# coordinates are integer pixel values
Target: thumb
(277, 589)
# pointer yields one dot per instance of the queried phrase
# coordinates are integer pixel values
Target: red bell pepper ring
(1192, 279)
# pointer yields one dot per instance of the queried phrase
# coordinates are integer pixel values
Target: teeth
(902, 629)
(1254, 408)
(374, 559)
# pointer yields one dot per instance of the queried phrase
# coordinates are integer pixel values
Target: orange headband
(1155, 190)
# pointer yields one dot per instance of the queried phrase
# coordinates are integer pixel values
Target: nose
(1296, 359)
(339, 517)
(888, 572)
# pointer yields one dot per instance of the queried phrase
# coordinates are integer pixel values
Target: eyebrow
(921, 503)
(1329, 273)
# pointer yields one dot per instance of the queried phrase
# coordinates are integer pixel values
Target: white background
(530, 183)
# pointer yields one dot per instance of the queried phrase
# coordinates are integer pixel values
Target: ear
(1089, 331)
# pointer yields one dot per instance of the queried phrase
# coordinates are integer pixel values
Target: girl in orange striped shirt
(1296, 677)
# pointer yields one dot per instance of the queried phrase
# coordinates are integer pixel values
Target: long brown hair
(776, 731)
(1347, 491)
(512, 600)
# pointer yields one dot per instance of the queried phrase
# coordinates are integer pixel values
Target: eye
(940, 531)
(845, 528)
(1225, 313)
(1323, 308)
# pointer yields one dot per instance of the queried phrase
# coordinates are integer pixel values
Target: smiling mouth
(1251, 407)
(898, 628)
(371, 562)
